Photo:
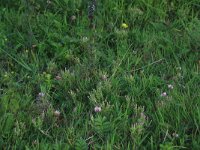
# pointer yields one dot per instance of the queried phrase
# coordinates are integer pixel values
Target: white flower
(41, 94)
(170, 86)
(97, 109)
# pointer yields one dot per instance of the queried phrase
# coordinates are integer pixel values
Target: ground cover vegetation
(122, 75)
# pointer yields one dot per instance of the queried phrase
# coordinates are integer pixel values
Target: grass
(54, 71)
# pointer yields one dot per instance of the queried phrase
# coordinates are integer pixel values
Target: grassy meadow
(122, 76)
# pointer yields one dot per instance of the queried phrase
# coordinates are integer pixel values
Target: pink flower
(164, 94)
(170, 86)
(97, 109)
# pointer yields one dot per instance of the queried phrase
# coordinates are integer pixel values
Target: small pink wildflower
(170, 86)
(97, 109)
(164, 94)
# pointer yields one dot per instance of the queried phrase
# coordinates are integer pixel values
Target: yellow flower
(124, 25)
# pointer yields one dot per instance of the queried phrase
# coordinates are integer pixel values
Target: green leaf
(8, 123)
(14, 105)
(81, 144)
